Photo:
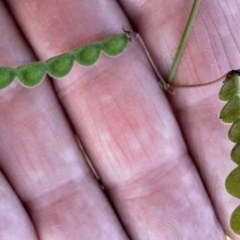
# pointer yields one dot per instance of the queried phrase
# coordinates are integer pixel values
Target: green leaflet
(230, 87)
(231, 110)
(234, 132)
(233, 182)
(30, 75)
(235, 154)
(235, 220)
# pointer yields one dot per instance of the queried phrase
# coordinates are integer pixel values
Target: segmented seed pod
(30, 75)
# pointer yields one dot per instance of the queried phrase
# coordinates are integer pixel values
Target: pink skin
(163, 172)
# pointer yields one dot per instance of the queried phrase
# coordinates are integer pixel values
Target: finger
(42, 161)
(124, 122)
(15, 223)
(211, 51)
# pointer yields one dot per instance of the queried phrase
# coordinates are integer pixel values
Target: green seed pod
(235, 220)
(231, 110)
(60, 66)
(114, 46)
(230, 87)
(88, 55)
(32, 74)
(234, 132)
(7, 75)
(232, 183)
(235, 154)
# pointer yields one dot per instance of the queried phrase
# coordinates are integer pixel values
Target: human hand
(145, 153)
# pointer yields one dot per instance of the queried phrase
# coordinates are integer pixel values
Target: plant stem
(183, 40)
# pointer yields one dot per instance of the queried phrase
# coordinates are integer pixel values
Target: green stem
(183, 41)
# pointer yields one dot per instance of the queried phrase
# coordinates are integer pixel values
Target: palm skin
(162, 159)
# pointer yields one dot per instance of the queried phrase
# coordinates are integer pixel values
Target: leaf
(234, 132)
(89, 54)
(232, 183)
(235, 154)
(235, 221)
(230, 87)
(32, 74)
(114, 46)
(231, 110)
(7, 75)
(60, 66)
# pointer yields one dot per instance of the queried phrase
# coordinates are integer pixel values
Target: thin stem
(162, 83)
(131, 34)
(161, 79)
(183, 41)
(198, 85)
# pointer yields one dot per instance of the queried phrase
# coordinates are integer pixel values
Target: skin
(162, 159)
